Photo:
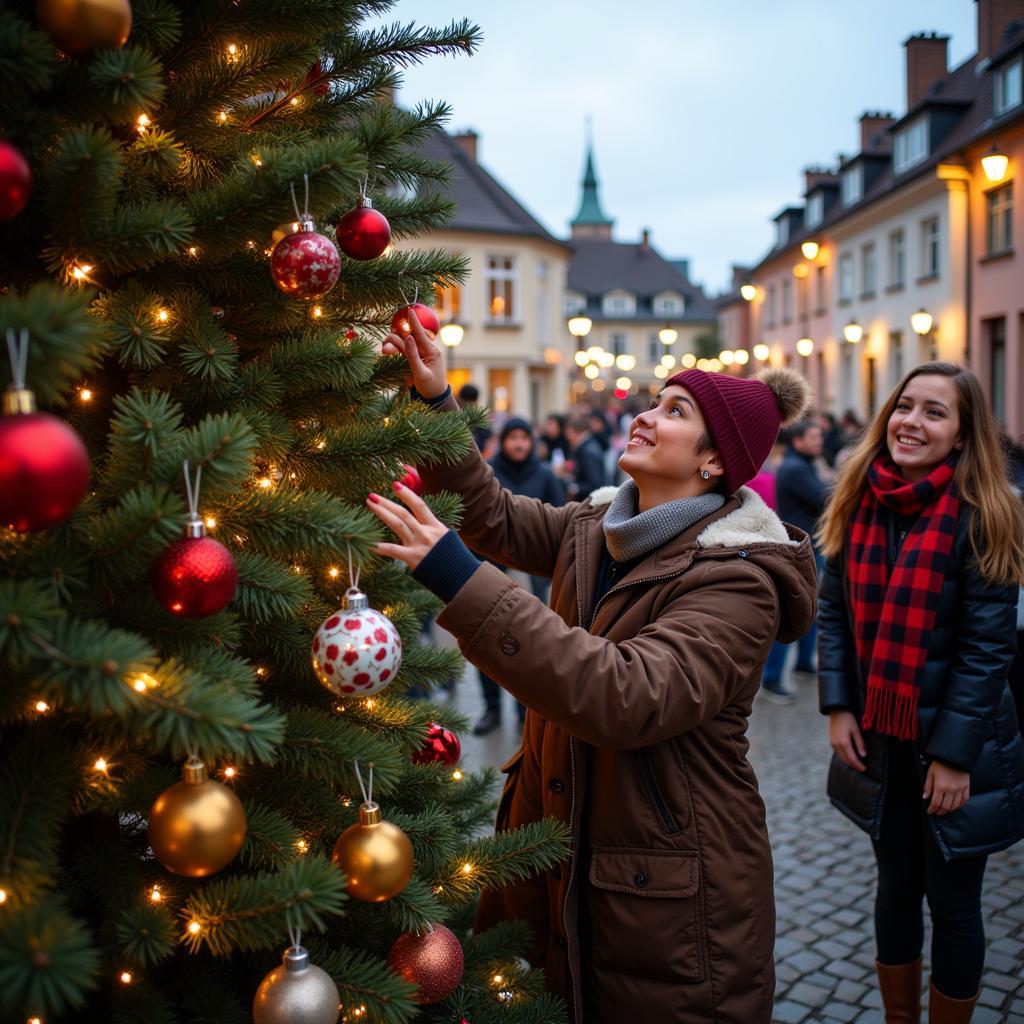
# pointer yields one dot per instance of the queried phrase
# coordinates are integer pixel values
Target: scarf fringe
(891, 713)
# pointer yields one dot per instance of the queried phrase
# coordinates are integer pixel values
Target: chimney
(466, 141)
(873, 135)
(927, 62)
(645, 239)
(994, 17)
(814, 176)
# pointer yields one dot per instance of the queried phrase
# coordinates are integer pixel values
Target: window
(999, 220)
(787, 301)
(910, 146)
(846, 277)
(619, 343)
(618, 304)
(897, 259)
(655, 349)
(930, 247)
(781, 231)
(447, 302)
(868, 270)
(895, 358)
(819, 289)
(769, 315)
(668, 304)
(500, 282)
(1006, 92)
(853, 185)
(815, 212)
(996, 331)
(543, 320)
(574, 303)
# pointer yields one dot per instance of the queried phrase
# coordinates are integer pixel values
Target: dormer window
(619, 303)
(910, 146)
(815, 212)
(574, 303)
(1006, 92)
(668, 304)
(781, 231)
(853, 185)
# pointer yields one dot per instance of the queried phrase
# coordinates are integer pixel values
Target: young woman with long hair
(924, 547)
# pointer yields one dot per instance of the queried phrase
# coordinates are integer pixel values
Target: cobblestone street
(824, 874)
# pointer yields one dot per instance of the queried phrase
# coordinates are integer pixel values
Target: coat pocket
(646, 917)
(511, 771)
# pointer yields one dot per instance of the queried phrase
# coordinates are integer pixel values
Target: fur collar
(752, 523)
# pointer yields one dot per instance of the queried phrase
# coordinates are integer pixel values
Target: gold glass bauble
(197, 826)
(296, 991)
(375, 855)
(293, 227)
(80, 27)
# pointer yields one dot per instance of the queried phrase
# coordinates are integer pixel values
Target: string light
(467, 868)
(143, 122)
(232, 52)
(126, 977)
(457, 775)
(194, 927)
(81, 271)
(370, 704)
(3, 896)
(101, 765)
(35, 1020)
(333, 572)
(302, 846)
(316, 312)
(211, 523)
(266, 483)
(230, 772)
(257, 160)
(155, 895)
(321, 445)
(193, 250)
(85, 395)
(295, 101)
(498, 979)
(162, 315)
(143, 682)
(140, 686)
(222, 116)
(260, 671)
(42, 707)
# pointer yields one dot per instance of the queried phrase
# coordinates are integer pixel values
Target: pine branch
(367, 985)
(270, 839)
(147, 933)
(28, 61)
(268, 589)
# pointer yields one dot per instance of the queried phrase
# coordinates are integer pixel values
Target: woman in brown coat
(639, 679)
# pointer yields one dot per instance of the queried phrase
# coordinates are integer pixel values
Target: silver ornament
(297, 992)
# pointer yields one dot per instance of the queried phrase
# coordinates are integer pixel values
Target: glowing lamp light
(85, 394)
(661, 372)
(222, 116)
(668, 335)
(995, 163)
(125, 977)
(623, 384)
(715, 365)
(810, 250)
(230, 772)
(805, 346)
(668, 360)
(761, 352)
(316, 312)
(194, 927)
(467, 868)
(594, 353)
(3, 895)
(622, 393)
(606, 360)
(81, 271)
(688, 361)
(42, 707)
(211, 523)
(457, 775)
(726, 358)
(921, 321)
(301, 846)
(625, 362)
(452, 334)
(266, 483)
(853, 332)
(333, 572)
(748, 292)
(800, 271)
(155, 895)
(100, 764)
(591, 371)
(581, 358)
(579, 326)
(741, 356)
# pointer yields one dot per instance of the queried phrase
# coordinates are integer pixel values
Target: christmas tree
(183, 797)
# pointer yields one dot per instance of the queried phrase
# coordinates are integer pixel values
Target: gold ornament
(375, 855)
(197, 826)
(284, 230)
(297, 991)
(79, 27)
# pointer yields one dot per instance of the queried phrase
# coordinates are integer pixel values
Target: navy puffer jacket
(965, 714)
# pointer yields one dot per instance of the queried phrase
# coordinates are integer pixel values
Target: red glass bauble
(363, 233)
(440, 747)
(44, 471)
(426, 316)
(195, 577)
(15, 181)
(305, 264)
(433, 962)
(412, 480)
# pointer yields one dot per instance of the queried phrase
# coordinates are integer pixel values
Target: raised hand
(425, 358)
(416, 527)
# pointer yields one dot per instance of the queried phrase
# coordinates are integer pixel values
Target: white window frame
(1007, 87)
(497, 275)
(815, 212)
(781, 231)
(869, 268)
(668, 304)
(910, 145)
(853, 185)
(999, 220)
(618, 343)
(655, 349)
(931, 247)
(846, 272)
(618, 303)
(448, 302)
(787, 301)
(770, 310)
(897, 258)
(574, 303)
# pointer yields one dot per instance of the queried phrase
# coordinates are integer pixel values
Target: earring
(704, 473)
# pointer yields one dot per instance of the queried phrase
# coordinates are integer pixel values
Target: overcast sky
(704, 111)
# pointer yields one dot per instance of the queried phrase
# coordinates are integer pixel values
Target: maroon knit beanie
(743, 415)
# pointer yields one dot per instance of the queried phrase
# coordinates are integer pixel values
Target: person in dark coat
(587, 456)
(924, 542)
(519, 470)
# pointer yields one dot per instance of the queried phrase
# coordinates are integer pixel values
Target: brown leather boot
(943, 1010)
(901, 992)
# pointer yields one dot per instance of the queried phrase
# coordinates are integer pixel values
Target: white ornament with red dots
(357, 651)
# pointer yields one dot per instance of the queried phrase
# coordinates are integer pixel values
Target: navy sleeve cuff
(446, 567)
(433, 403)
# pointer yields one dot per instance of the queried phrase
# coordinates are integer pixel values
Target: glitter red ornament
(412, 480)
(15, 181)
(432, 961)
(196, 576)
(440, 747)
(426, 316)
(363, 233)
(305, 264)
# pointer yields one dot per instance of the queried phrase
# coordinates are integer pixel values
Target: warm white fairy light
(194, 927)
(193, 250)
(457, 775)
(295, 101)
(155, 895)
(302, 846)
(81, 271)
(334, 572)
(467, 868)
(162, 315)
(222, 116)
(316, 312)
(260, 671)
(140, 685)
(266, 483)
(257, 159)
(3, 896)
(230, 772)
(126, 977)
(42, 707)
(142, 122)
(85, 395)
(100, 765)
(498, 979)
(211, 523)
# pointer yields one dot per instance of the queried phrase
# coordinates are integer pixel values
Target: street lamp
(805, 346)
(451, 336)
(921, 322)
(668, 335)
(994, 163)
(748, 292)
(810, 249)
(579, 327)
(853, 332)
(762, 351)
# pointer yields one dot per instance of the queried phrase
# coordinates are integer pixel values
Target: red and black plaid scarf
(893, 613)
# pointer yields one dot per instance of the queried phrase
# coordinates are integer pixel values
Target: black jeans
(910, 867)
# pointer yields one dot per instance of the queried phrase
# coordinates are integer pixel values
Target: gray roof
(598, 266)
(481, 202)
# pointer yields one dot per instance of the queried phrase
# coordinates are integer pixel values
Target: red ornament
(196, 576)
(426, 316)
(44, 467)
(412, 480)
(363, 233)
(433, 962)
(440, 747)
(315, 71)
(15, 181)
(305, 264)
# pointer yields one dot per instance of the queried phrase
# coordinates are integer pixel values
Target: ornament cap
(295, 959)
(19, 402)
(355, 600)
(369, 814)
(194, 771)
(366, 202)
(307, 224)
(195, 528)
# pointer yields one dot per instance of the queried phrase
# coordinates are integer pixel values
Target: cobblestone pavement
(824, 874)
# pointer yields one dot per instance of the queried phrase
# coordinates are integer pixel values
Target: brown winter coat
(636, 737)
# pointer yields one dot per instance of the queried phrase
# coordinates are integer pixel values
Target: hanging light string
(367, 791)
(17, 349)
(192, 489)
(304, 216)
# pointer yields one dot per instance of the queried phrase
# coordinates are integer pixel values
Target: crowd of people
(674, 596)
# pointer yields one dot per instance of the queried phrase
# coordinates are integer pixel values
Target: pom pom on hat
(791, 390)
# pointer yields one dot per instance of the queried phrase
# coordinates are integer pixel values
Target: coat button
(923, 759)
(742, 552)
(560, 941)
(556, 786)
(640, 879)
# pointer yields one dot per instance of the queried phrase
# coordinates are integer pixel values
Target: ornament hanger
(353, 574)
(303, 217)
(192, 494)
(405, 298)
(17, 349)
(367, 791)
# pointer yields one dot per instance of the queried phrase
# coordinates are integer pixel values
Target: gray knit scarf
(630, 534)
